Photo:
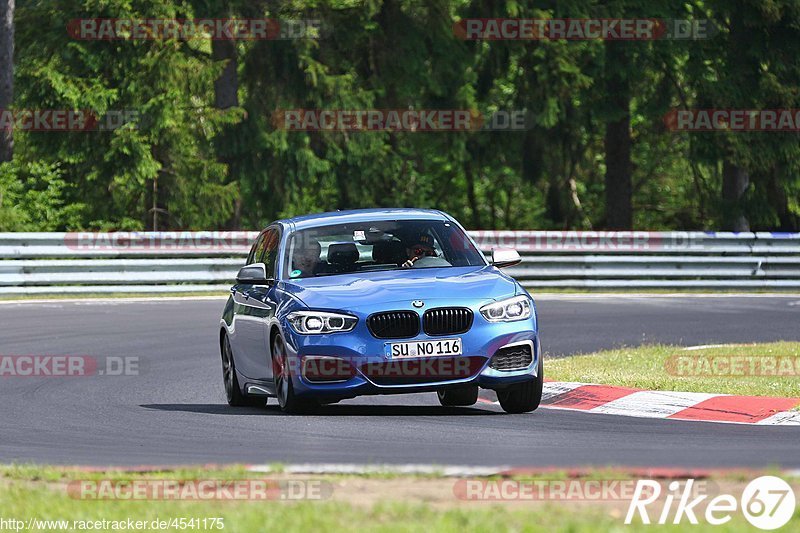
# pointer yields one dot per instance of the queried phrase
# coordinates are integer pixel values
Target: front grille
(512, 358)
(394, 325)
(447, 321)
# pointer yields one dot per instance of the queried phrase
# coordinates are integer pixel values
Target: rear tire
(233, 392)
(523, 397)
(284, 388)
(458, 397)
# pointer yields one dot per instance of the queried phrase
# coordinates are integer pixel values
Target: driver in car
(422, 247)
(306, 260)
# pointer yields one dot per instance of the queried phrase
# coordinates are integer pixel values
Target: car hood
(371, 289)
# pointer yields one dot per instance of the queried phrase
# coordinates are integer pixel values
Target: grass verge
(771, 369)
(404, 503)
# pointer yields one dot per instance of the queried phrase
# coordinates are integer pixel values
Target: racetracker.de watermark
(596, 490)
(216, 29)
(582, 241)
(408, 120)
(736, 120)
(177, 523)
(200, 489)
(67, 366)
(330, 368)
(166, 241)
(582, 29)
(66, 120)
(733, 365)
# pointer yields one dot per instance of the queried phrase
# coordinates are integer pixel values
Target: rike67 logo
(767, 502)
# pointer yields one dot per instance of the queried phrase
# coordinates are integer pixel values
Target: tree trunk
(6, 74)
(735, 181)
(226, 87)
(226, 95)
(469, 174)
(619, 191)
(744, 73)
(787, 220)
(554, 204)
(533, 148)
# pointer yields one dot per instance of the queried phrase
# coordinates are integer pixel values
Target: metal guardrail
(64, 263)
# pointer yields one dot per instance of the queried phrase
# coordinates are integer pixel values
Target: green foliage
(33, 197)
(184, 164)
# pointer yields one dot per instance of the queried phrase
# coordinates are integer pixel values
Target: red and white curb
(697, 406)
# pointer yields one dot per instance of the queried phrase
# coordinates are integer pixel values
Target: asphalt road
(173, 411)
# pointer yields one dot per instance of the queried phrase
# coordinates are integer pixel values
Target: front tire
(523, 397)
(458, 397)
(282, 376)
(233, 392)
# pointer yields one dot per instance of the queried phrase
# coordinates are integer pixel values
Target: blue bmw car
(381, 301)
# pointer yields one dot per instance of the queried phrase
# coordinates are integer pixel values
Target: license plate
(437, 348)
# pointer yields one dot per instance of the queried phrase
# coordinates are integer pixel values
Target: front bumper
(374, 372)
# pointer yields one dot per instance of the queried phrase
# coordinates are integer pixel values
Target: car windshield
(379, 245)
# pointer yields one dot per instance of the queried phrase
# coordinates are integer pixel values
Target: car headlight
(516, 308)
(319, 322)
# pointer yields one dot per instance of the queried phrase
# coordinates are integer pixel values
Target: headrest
(388, 252)
(344, 253)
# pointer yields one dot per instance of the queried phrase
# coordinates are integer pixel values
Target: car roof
(361, 215)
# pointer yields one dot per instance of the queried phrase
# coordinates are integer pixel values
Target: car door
(253, 308)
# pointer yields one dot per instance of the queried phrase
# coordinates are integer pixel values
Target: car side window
(269, 253)
(257, 250)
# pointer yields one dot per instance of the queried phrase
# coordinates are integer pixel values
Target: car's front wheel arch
(233, 391)
(283, 377)
(222, 334)
(273, 333)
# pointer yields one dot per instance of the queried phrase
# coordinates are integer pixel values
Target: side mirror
(255, 273)
(505, 258)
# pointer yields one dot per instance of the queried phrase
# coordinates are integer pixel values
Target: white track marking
(706, 346)
(542, 296)
(784, 418)
(334, 468)
(623, 295)
(441, 470)
(554, 388)
(120, 300)
(652, 404)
